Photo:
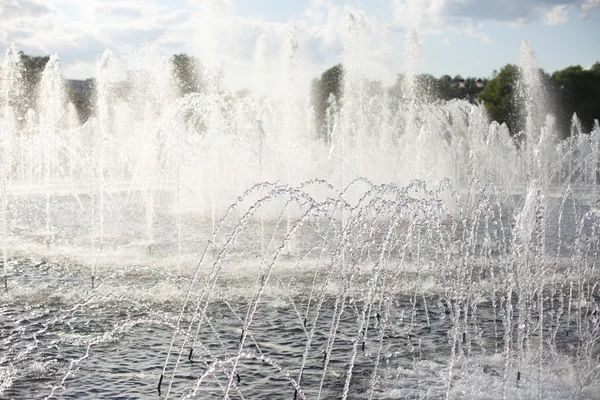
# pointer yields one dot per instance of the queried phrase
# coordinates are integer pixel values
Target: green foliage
(571, 90)
(331, 83)
(568, 91)
(33, 66)
(428, 88)
(396, 90)
(187, 74)
(83, 103)
(498, 97)
(31, 70)
(447, 88)
(578, 91)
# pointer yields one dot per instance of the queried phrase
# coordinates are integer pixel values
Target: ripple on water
(112, 341)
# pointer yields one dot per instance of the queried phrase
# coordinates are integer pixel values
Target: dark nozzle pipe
(160, 384)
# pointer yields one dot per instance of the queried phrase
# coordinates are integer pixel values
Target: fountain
(232, 253)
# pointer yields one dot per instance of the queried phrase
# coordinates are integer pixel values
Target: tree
(578, 91)
(498, 97)
(331, 83)
(446, 88)
(428, 88)
(425, 88)
(82, 101)
(33, 67)
(30, 73)
(396, 90)
(187, 72)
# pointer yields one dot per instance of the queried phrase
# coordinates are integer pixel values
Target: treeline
(187, 74)
(29, 75)
(573, 90)
(327, 92)
(30, 71)
(568, 91)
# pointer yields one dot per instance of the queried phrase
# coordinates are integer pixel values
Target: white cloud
(517, 22)
(587, 6)
(590, 4)
(557, 15)
(16, 9)
(414, 14)
(79, 70)
(468, 17)
(59, 25)
(327, 22)
(79, 31)
(435, 17)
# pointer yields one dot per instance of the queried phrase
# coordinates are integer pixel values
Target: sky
(247, 38)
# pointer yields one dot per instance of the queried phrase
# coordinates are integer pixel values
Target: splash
(417, 240)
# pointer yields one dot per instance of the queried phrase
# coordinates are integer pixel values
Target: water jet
(215, 212)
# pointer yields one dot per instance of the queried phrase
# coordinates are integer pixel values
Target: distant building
(461, 83)
(85, 87)
(479, 83)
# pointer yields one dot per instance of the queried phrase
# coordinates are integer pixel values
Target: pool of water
(64, 339)
(398, 296)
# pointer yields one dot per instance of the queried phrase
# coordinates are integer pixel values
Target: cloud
(19, 9)
(79, 69)
(586, 7)
(467, 17)
(556, 16)
(327, 22)
(589, 4)
(79, 31)
(506, 11)
(113, 10)
(323, 19)
(436, 17)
